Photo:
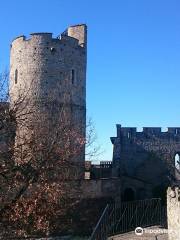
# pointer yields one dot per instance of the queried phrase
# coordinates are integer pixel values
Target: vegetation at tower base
(39, 174)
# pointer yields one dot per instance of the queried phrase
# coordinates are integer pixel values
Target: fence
(124, 217)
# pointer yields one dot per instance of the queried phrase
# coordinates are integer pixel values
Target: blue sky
(133, 75)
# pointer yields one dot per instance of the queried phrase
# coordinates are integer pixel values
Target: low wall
(173, 213)
(101, 188)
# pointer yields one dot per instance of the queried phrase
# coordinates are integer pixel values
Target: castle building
(48, 83)
(146, 161)
(48, 79)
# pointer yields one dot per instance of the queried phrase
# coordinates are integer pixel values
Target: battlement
(147, 131)
(76, 35)
(50, 62)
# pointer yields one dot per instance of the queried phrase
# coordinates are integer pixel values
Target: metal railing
(101, 230)
(124, 217)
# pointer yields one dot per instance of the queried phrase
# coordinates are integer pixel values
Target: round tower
(48, 78)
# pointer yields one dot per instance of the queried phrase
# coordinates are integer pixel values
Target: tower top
(77, 32)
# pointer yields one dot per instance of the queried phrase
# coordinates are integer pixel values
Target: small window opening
(177, 161)
(53, 49)
(16, 76)
(73, 76)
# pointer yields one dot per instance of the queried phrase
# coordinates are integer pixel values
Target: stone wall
(148, 155)
(173, 213)
(140, 189)
(101, 188)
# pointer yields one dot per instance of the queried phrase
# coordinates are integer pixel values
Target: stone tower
(49, 74)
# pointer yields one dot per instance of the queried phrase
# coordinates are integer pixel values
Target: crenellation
(152, 130)
(174, 130)
(18, 39)
(79, 32)
(44, 34)
(147, 131)
(118, 129)
(128, 132)
(70, 37)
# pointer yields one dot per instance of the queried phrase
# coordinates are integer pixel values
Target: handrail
(98, 223)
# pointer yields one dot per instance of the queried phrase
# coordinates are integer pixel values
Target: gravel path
(154, 233)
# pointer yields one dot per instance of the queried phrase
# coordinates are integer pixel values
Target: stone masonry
(48, 77)
(173, 213)
(145, 156)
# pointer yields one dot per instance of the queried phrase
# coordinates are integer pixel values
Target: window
(16, 76)
(177, 161)
(73, 76)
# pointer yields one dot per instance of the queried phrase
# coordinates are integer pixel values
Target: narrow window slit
(16, 76)
(73, 76)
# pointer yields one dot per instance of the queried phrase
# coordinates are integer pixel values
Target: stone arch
(177, 165)
(177, 160)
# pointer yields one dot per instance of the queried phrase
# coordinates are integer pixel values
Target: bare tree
(93, 149)
(39, 167)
